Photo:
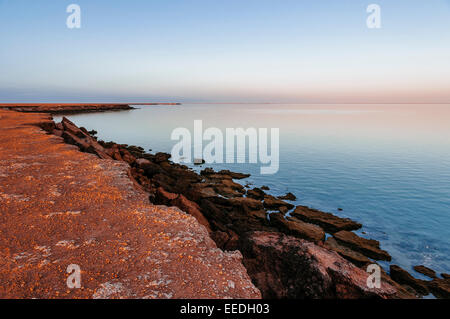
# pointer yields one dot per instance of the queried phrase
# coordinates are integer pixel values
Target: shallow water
(386, 166)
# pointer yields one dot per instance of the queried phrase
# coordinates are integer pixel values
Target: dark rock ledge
(286, 257)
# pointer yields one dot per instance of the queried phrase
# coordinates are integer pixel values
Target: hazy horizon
(198, 51)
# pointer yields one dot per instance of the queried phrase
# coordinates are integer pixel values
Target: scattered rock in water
(340, 209)
(368, 247)
(445, 276)
(265, 188)
(425, 271)
(288, 196)
(327, 221)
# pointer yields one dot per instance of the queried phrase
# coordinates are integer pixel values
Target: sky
(288, 51)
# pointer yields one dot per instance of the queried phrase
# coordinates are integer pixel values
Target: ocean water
(386, 166)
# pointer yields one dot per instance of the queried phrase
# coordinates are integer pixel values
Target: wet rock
(265, 188)
(287, 267)
(288, 196)
(401, 276)
(297, 228)
(425, 271)
(271, 202)
(327, 221)
(353, 256)
(445, 276)
(283, 210)
(368, 247)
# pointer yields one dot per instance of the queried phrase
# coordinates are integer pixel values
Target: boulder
(287, 267)
(327, 221)
(401, 276)
(445, 276)
(297, 228)
(425, 271)
(368, 247)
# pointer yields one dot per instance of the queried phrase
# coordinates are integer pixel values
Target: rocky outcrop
(287, 267)
(368, 247)
(327, 221)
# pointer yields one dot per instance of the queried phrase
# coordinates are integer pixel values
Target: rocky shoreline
(66, 108)
(254, 222)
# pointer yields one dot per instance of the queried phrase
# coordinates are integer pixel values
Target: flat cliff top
(59, 207)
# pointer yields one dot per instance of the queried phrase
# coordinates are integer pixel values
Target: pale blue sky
(233, 50)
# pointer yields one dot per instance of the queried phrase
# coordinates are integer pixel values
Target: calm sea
(386, 166)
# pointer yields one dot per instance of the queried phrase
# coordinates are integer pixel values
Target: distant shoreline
(71, 108)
